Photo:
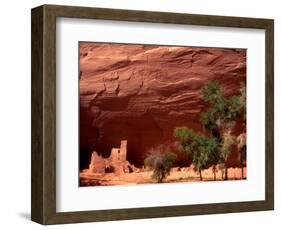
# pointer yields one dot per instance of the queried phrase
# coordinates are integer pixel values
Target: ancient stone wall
(97, 164)
(116, 162)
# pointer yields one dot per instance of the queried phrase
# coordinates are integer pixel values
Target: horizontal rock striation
(142, 92)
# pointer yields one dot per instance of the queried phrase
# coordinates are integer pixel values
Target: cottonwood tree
(241, 139)
(221, 117)
(228, 140)
(202, 150)
(241, 146)
(218, 120)
(243, 103)
(222, 111)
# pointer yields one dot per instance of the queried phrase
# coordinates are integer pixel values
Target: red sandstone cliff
(141, 93)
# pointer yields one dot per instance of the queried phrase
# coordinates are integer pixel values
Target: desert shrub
(160, 160)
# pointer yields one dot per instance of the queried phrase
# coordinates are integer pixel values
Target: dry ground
(177, 175)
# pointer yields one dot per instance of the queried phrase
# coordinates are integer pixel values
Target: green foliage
(219, 119)
(208, 119)
(243, 101)
(202, 150)
(161, 161)
(211, 92)
(243, 95)
(233, 108)
(210, 147)
(223, 111)
(187, 137)
(207, 149)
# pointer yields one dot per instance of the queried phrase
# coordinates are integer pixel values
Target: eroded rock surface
(141, 93)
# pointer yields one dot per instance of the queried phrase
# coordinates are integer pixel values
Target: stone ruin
(116, 162)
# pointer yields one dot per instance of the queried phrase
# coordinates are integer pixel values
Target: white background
(15, 114)
(72, 198)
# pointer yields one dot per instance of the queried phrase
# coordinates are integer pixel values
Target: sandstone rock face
(142, 92)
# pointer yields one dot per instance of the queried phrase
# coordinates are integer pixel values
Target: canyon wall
(142, 92)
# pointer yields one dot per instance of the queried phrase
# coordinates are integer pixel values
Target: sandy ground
(176, 175)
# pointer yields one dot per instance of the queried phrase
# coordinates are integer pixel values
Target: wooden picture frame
(43, 208)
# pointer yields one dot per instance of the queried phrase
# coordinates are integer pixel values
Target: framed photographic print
(141, 114)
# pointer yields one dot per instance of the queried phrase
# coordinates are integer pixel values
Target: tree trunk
(214, 172)
(160, 177)
(242, 153)
(226, 173)
(241, 164)
(200, 173)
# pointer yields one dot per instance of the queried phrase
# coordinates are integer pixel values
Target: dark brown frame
(43, 188)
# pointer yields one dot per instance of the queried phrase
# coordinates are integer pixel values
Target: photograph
(160, 114)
